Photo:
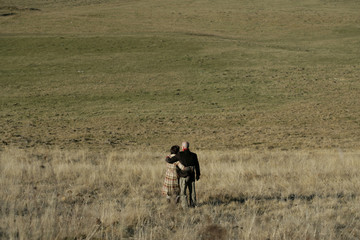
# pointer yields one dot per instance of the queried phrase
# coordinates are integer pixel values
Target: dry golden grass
(57, 194)
(266, 76)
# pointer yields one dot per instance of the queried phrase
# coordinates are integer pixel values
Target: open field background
(93, 93)
(232, 74)
(116, 195)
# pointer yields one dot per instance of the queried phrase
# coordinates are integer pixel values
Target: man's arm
(172, 159)
(197, 168)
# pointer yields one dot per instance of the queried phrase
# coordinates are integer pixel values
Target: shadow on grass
(242, 199)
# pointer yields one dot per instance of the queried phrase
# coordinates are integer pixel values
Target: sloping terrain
(120, 74)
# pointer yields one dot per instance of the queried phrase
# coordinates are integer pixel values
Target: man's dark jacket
(188, 159)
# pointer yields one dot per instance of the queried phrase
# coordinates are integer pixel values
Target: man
(187, 178)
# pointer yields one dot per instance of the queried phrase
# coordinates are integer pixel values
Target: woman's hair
(174, 149)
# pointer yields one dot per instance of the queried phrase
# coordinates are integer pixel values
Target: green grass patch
(229, 74)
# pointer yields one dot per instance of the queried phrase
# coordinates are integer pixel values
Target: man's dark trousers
(186, 184)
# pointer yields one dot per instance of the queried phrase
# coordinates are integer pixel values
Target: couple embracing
(182, 171)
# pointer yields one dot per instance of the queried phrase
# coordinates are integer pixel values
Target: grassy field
(116, 195)
(93, 93)
(237, 74)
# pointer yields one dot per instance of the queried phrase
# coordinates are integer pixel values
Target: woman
(171, 188)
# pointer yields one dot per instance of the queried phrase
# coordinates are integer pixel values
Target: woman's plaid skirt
(171, 183)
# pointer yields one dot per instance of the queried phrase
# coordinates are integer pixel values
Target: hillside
(236, 74)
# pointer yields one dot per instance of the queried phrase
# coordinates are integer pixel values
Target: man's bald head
(185, 145)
